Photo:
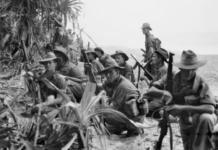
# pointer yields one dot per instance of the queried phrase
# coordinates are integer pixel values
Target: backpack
(157, 43)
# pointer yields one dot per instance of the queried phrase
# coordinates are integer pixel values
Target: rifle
(89, 69)
(150, 77)
(143, 50)
(165, 123)
(139, 73)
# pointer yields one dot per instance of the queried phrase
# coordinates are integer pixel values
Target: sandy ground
(145, 141)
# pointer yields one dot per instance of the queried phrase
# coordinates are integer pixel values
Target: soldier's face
(90, 56)
(98, 53)
(145, 30)
(155, 59)
(187, 74)
(119, 59)
(111, 75)
(50, 65)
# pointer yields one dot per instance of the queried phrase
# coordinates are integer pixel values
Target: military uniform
(149, 43)
(128, 71)
(123, 95)
(54, 78)
(75, 89)
(196, 134)
(103, 58)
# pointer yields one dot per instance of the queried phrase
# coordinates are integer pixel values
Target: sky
(179, 24)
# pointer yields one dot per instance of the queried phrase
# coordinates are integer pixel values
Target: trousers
(197, 136)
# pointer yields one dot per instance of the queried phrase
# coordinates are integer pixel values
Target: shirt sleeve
(160, 83)
(125, 101)
(100, 66)
(162, 72)
(149, 42)
(61, 83)
(128, 70)
(206, 96)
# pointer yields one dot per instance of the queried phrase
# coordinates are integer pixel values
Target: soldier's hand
(87, 65)
(167, 97)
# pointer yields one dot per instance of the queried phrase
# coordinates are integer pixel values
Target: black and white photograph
(108, 75)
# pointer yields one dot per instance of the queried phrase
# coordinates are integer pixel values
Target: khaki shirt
(149, 43)
(96, 66)
(123, 95)
(202, 95)
(158, 73)
(128, 70)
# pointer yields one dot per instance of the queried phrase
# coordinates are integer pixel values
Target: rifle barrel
(149, 75)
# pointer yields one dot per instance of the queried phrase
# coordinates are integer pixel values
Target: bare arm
(192, 109)
(199, 109)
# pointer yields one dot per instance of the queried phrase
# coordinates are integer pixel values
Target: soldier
(95, 64)
(158, 58)
(60, 33)
(151, 44)
(50, 97)
(121, 58)
(101, 55)
(69, 69)
(123, 95)
(192, 101)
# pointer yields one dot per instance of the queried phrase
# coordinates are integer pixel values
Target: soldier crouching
(123, 97)
(192, 101)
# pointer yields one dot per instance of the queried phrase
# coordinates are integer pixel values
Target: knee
(206, 118)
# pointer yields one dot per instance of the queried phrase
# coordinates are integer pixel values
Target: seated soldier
(96, 65)
(101, 55)
(192, 101)
(69, 69)
(159, 69)
(50, 97)
(123, 96)
(121, 58)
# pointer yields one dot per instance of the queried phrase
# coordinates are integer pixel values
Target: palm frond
(68, 145)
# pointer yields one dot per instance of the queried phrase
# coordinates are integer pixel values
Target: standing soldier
(151, 44)
(121, 59)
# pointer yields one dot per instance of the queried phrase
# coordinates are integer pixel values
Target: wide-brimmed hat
(163, 53)
(189, 60)
(90, 51)
(58, 20)
(50, 56)
(110, 63)
(62, 51)
(119, 52)
(99, 49)
(146, 25)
